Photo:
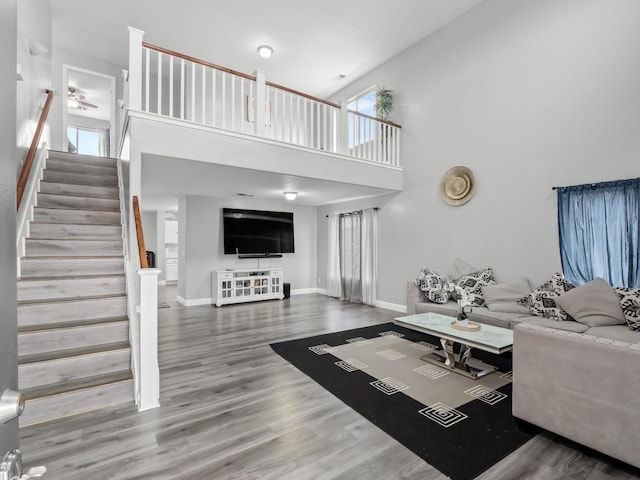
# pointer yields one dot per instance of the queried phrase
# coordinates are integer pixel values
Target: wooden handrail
(142, 252)
(173, 53)
(31, 154)
(295, 92)
(387, 122)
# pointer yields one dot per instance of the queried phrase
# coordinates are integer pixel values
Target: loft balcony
(182, 108)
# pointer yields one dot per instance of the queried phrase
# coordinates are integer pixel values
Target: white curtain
(352, 269)
(369, 255)
(334, 285)
(350, 245)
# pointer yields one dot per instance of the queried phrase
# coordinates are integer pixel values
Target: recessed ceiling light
(265, 51)
(290, 195)
(246, 194)
(340, 76)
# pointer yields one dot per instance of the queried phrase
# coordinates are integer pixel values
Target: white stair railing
(25, 210)
(172, 85)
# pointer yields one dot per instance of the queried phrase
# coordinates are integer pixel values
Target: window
(88, 141)
(599, 229)
(362, 130)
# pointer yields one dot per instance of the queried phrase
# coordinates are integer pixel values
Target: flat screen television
(257, 232)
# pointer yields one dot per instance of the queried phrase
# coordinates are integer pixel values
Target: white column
(343, 128)
(259, 104)
(149, 369)
(135, 68)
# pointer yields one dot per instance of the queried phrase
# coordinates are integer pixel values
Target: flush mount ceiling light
(265, 51)
(290, 195)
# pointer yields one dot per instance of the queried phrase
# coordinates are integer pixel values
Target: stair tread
(73, 277)
(70, 299)
(75, 385)
(74, 323)
(72, 352)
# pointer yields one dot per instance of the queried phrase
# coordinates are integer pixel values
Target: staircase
(73, 330)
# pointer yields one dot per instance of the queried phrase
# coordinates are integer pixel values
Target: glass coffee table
(491, 339)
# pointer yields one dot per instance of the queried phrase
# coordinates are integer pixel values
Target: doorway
(88, 118)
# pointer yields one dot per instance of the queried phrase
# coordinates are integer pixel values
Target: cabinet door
(170, 231)
(172, 272)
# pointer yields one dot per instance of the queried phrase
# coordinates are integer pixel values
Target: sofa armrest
(583, 387)
(414, 296)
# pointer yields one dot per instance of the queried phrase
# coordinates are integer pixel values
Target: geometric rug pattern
(459, 425)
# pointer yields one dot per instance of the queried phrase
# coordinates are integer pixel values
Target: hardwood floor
(233, 409)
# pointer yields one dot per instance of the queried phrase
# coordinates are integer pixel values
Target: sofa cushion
(473, 283)
(595, 304)
(547, 322)
(615, 332)
(504, 297)
(433, 285)
(478, 314)
(630, 303)
(460, 268)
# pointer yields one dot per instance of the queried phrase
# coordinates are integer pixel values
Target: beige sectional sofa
(576, 380)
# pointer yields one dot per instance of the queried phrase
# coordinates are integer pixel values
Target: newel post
(343, 128)
(259, 105)
(135, 68)
(149, 368)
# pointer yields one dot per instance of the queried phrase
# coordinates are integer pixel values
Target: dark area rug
(461, 443)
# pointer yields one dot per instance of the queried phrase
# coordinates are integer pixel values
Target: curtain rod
(355, 211)
(592, 184)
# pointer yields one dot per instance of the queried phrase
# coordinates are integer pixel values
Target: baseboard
(391, 306)
(305, 291)
(194, 302)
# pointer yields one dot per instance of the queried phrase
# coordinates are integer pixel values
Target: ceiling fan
(77, 101)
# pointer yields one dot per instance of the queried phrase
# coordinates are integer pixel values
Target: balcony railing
(174, 85)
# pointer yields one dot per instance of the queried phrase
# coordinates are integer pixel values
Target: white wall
(201, 245)
(34, 23)
(9, 437)
(150, 230)
(527, 94)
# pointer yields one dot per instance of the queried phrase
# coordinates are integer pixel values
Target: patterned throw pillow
(543, 304)
(541, 301)
(630, 303)
(433, 285)
(473, 283)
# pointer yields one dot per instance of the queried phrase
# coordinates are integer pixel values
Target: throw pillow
(556, 284)
(504, 297)
(595, 304)
(473, 283)
(433, 285)
(460, 268)
(542, 303)
(630, 304)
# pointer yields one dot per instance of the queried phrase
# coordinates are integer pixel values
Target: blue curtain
(599, 230)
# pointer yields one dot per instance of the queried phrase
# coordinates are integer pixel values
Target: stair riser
(50, 408)
(72, 368)
(70, 267)
(79, 203)
(85, 217)
(78, 190)
(71, 311)
(79, 179)
(75, 232)
(47, 341)
(83, 168)
(82, 159)
(65, 248)
(45, 290)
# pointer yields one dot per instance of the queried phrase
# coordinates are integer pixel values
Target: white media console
(237, 286)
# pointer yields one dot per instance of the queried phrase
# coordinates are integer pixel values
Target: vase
(462, 318)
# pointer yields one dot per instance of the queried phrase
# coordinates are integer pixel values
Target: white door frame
(112, 104)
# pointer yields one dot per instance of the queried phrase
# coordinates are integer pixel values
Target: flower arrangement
(464, 302)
